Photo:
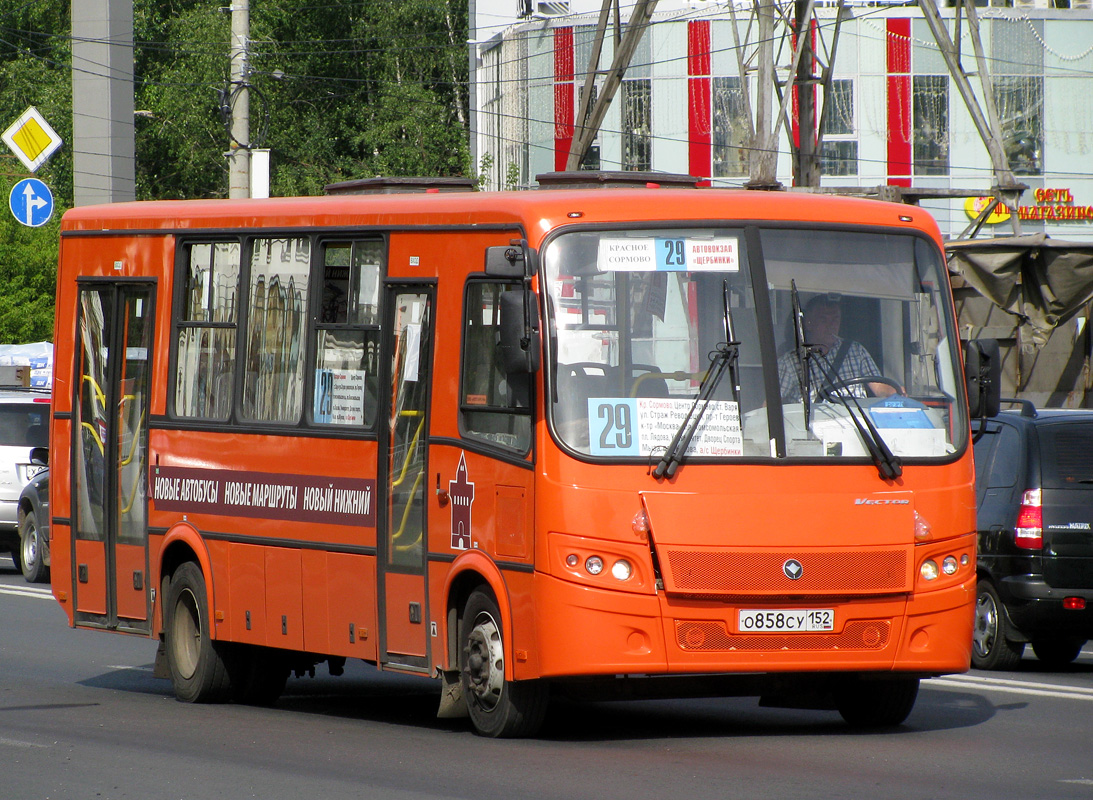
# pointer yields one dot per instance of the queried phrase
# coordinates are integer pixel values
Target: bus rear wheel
(498, 708)
(259, 675)
(198, 665)
(876, 703)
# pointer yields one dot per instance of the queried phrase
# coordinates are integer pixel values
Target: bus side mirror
(509, 261)
(519, 332)
(983, 377)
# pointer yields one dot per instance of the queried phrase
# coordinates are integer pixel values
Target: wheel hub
(484, 662)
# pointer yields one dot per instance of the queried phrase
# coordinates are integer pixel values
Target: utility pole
(238, 102)
(103, 135)
(764, 155)
(807, 164)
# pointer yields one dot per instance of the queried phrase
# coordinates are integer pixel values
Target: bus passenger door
(408, 333)
(109, 454)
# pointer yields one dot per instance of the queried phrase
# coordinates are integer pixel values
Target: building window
(931, 124)
(637, 139)
(731, 130)
(591, 158)
(1020, 100)
(839, 151)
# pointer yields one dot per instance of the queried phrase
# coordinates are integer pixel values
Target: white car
(24, 425)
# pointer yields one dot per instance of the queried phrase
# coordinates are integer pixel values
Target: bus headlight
(621, 570)
(929, 569)
(593, 565)
(949, 566)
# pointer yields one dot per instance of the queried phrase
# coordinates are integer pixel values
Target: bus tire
(991, 645)
(498, 708)
(199, 666)
(31, 550)
(876, 703)
(259, 675)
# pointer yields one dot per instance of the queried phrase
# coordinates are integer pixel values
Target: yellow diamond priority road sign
(32, 139)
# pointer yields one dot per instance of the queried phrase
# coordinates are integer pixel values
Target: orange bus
(572, 440)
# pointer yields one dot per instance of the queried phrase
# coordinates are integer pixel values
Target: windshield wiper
(803, 353)
(722, 359)
(888, 463)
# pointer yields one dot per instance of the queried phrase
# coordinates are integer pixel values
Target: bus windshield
(832, 343)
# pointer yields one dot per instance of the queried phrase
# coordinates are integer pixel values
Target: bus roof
(537, 211)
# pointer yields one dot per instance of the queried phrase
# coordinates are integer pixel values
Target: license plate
(786, 620)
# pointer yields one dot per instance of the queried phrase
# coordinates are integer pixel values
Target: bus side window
(348, 334)
(206, 333)
(494, 407)
(273, 385)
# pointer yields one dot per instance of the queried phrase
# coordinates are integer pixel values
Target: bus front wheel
(498, 708)
(199, 669)
(881, 703)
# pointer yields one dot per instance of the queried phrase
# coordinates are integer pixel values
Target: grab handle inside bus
(983, 377)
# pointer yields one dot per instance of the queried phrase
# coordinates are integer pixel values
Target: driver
(847, 360)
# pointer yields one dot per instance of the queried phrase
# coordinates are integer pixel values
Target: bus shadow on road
(369, 695)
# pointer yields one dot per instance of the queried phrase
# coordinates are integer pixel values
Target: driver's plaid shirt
(856, 364)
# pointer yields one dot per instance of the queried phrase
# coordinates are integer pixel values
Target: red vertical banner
(700, 120)
(795, 97)
(900, 150)
(563, 95)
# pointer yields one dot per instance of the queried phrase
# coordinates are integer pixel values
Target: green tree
(341, 89)
(28, 272)
(34, 71)
(338, 91)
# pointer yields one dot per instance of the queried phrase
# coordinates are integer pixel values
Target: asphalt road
(82, 717)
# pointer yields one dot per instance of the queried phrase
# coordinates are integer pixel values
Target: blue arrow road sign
(31, 202)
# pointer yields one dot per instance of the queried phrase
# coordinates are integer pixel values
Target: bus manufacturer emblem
(793, 569)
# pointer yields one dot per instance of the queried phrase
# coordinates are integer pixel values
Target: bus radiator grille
(859, 572)
(706, 636)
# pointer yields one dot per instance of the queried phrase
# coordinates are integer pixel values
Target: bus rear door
(401, 562)
(109, 453)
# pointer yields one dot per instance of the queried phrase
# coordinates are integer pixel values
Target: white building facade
(894, 115)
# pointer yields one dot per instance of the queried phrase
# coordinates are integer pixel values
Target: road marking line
(29, 591)
(1064, 693)
(18, 743)
(1060, 687)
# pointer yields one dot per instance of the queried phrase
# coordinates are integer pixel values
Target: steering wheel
(831, 390)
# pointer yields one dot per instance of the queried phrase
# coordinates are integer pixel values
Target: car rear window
(1066, 455)
(24, 425)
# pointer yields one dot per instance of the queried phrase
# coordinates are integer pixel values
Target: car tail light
(1074, 603)
(1030, 521)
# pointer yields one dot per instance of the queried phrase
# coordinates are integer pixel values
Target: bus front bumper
(591, 631)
